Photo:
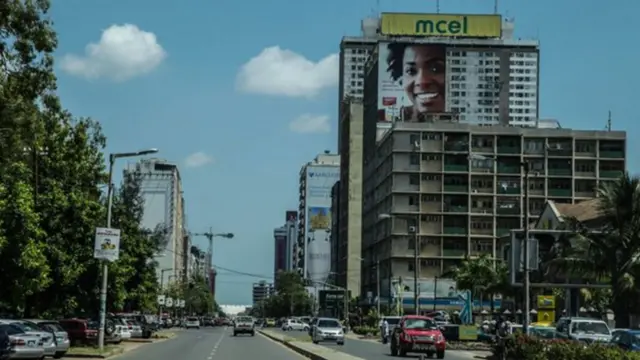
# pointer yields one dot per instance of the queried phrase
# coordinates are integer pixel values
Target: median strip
(307, 349)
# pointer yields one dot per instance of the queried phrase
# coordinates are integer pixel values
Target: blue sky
(193, 79)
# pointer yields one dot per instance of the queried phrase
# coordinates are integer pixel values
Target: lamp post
(105, 264)
(527, 287)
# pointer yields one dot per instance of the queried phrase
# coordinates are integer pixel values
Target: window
(10, 329)
(414, 159)
(328, 324)
(419, 324)
(414, 179)
(414, 140)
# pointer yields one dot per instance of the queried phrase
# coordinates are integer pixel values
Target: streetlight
(416, 261)
(105, 267)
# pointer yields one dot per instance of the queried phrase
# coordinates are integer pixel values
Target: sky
(241, 94)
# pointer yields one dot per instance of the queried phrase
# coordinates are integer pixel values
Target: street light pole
(527, 286)
(378, 286)
(416, 270)
(105, 263)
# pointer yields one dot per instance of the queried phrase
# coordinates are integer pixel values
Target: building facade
(161, 188)
(458, 187)
(280, 250)
(317, 177)
(261, 291)
(291, 227)
(335, 226)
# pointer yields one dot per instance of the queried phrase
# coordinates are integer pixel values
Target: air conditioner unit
(412, 229)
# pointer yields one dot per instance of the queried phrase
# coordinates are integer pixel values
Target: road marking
(216, 346)
(282, 345)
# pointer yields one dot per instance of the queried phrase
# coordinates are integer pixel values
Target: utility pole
(416, 268)
(527, 295)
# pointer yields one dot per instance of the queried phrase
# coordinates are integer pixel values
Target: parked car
(328, 329)
(47, 339)
(417, 334)
(23, 345)
(134, 328)
(626, 339)
(5, 343)
(192, 322)
(81, 331)
(60, 335)
(148, 323)
(122, 327)
(582, 329)
(295, 324)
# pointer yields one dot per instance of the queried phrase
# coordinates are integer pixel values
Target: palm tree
(612, 251)
(483, 276)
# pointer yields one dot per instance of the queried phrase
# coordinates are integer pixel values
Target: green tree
(483, 276)
(611, 252)
(198, 296)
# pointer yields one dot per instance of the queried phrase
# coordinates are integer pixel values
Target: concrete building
(335, 231)
(459, 187)
(319, 197)
(164, 210)
(280, 250)
(349, 207)
(261, 291)
(197, 262)
(291, 227)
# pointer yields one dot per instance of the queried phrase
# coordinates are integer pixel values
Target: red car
(418, 334)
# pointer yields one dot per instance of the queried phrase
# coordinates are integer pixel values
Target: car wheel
(440, 354)
(235, 333)
(341, 343)
(403, 352)
(253, 333)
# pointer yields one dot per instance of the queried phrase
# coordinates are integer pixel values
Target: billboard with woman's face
(411, 81)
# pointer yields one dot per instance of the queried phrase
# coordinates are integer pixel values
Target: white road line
(215, 347)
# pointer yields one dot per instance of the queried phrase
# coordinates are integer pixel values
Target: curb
(291, 346)
(96, 356)
(144, 341)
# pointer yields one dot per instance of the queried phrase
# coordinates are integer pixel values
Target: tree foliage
(52, 183)
(483, 276)
(290, 298)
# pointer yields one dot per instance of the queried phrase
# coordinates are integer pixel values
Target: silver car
(327, 329)
(23, 345)
(48, 341)
(61, 336)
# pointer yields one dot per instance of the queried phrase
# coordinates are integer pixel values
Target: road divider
(312, 351)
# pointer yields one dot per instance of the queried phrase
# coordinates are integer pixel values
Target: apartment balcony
(456, 188)
(482, 210)
(456, 208)
(560, 192)
(454, 252)
(612, 154)
(429, 228)
(560, 171)
(611, 174)
(513, 150)
(456, 167)
(454, 230)
(508, 169)
(508, 210)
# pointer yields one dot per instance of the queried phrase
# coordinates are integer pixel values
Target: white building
(161, 189)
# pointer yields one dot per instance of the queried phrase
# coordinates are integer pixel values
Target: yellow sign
(546, 302)
(546, 316)
(483, 26)
(468, 332)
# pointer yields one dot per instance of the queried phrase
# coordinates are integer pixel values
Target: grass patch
(163, 335)
(90, 350)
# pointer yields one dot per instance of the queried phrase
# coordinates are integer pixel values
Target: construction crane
(210, 235)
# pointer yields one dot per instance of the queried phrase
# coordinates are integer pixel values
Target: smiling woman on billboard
(421, 71)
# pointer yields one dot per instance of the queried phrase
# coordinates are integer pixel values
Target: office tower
(161, 188)
(280, 250)
(458, 187)
(335, 226)
(261, 291)
(317, 177)
(348, 239)
(291, 227)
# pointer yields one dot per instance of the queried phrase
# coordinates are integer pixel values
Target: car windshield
(244, 319)
(590, 327)
(635, 338)
(26, 327)
(11, 329)
(328, 324)
(192, 319)
(419, 324)
(392, 321)
(51, 326)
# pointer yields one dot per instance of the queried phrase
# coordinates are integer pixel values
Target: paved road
(212, 344)
(370, 350)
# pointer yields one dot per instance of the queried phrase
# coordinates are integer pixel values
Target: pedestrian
(385, 331)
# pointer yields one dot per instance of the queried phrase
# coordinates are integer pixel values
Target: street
(370, 350)
(212, 344)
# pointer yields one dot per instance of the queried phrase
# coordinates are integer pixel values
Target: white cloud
(198, 159)
(277, 71)
(123, 52)
(310, 124)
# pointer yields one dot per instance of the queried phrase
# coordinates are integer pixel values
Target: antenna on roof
(609, 122)
(437, 6)
(495, 6)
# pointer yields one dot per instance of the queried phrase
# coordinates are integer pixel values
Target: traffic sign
(466, 315)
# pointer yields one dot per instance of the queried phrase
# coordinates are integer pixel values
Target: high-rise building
(161, 188)
(280, 250)
(335, 227)
(348, 239)
(213, 274)
(458, 187)
(261, 291)
(317, 177)
(291, 227)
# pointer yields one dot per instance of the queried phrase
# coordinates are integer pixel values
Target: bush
(522, 347)
(366, 330)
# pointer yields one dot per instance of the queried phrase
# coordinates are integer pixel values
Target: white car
(192, 322)
(295, 324)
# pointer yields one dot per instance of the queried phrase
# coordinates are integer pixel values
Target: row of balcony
(516, 169)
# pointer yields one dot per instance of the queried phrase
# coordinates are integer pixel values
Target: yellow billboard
(479, 26)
